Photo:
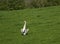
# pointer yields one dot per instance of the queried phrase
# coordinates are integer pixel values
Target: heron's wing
(27, 30)
(21, 30)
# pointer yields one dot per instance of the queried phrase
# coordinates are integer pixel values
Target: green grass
(44, 25)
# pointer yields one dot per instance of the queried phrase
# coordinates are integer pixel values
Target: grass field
(44, 25)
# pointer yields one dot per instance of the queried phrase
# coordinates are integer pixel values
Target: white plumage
(24, 31)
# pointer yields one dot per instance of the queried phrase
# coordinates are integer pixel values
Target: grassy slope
(44, 25)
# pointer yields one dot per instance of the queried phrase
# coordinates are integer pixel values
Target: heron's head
(24, 21)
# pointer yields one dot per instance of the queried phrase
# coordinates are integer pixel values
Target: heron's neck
(24, 27)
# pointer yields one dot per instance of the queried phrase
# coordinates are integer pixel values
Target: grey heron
(24, 30)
